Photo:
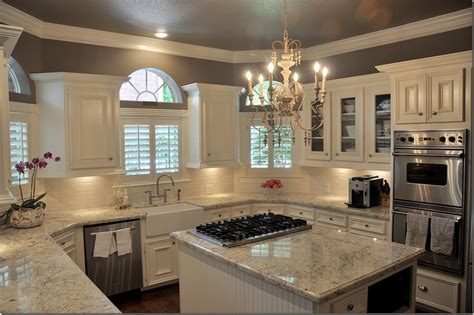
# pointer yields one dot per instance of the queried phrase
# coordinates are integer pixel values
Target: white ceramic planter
(26, 218)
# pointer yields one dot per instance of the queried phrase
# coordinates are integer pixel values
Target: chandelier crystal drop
(278, 113)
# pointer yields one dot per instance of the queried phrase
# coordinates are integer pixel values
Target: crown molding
(439, 24)
(9, 37)
(463, 59)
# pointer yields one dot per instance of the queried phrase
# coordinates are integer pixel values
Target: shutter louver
(18, 150)
(282, 154)
(137, 149)
(167, 148)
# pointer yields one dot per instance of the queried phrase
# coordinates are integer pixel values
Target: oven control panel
(445, 138)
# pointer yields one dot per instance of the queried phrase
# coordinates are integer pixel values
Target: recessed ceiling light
(161, 34)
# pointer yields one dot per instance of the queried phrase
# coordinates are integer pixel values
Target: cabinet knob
(209, 154)
(422, 288)
(367, 226)
(420, 114)
(301, 213)
(370, 155)
(174, 243)
(350, 307)
(330, 219)
(63, 243)
(111, 158)
(326, 154)
(220, 215)
(435, 113)
(337, 154)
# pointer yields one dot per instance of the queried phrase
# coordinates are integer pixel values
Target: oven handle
(449, 155)
(403, 210)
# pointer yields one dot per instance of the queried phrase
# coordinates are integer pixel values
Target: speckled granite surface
(318, 264)
(37, 276)
(328, 203)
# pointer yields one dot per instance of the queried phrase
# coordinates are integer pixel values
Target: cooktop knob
(452, 139)
(402, 139)
(411, 139)
(442, 139)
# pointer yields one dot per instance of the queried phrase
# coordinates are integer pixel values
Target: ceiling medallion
(278, 113)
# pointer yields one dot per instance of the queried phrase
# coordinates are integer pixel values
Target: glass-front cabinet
(348, 109)
(379, 139)
(320, 145)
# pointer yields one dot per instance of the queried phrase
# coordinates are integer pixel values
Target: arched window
(17, 78)
(256, 92)
(150, 85)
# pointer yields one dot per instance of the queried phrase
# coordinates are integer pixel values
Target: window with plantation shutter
(258, 149)
(278, 155)
(282, 152)
(167, 148)
(151, 146)
(18, 150)
(137, 149)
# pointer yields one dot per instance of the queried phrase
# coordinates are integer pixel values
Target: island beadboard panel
(221, 283)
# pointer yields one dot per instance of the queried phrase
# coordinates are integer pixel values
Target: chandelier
(278, 113)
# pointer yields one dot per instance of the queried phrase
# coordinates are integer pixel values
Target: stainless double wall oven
(429, 172)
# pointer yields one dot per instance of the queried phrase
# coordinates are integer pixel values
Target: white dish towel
(417, 230)
(104, 244)
(442, 235)
(124, 241)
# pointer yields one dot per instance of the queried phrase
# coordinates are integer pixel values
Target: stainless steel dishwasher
(115, 274)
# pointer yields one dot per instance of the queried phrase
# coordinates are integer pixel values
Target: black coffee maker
(365, 191)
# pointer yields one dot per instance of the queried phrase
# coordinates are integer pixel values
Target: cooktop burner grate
(239, 231)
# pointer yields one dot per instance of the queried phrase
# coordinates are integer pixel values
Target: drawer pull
(367, 226)
(435, 113)
(422, 288)
(350, 307)
(330, 219)
(63, 243)
(241, 211)
(174, 243)
(220, 215)
(301, 213)
(420, 114)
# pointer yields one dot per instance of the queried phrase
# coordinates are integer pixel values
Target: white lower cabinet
(161, 260)
(435, 292)
(218, 214)
(355, 302)
(71, 242)
(331, 219)
(276, 208)
(300, 212)
(368, 227)
(241, 211)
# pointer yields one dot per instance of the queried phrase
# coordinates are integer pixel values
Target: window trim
(152, 117)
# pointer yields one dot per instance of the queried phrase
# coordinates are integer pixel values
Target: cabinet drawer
(333, 219)
(301, 212)
(268, 207)
(367, 225)
(437, 293)
(353, 303)
(220, 214)
(65, 239)
(241, 211)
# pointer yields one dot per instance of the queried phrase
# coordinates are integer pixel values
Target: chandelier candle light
(284, 102)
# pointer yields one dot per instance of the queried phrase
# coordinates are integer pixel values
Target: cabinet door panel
(411, 99)
(219, 128)
(91, 128)
(378, 132)
(161, 261)
(446, 97)
(349, 118)
(320, 142)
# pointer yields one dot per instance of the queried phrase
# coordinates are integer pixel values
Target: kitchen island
(319, 270)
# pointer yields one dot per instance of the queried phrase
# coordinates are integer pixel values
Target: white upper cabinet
(411, 97)
(320, 145)
(431, 92)
(79, 122)
(212, 125)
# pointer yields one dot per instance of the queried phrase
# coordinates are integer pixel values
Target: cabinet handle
(367, 226)
(330, 219)
(420, 114)
(209, 154)
(301, 213)
(174, 243)
(435, 113)
(241, 211)
(326, 154)
(370, 155)
(63, 243)
(350, 307)
(220, 215)
(111, 158)
(422, 288)
(337, 154)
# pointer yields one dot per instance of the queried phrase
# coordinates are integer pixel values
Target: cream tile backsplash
(337, 179)
(93, 191)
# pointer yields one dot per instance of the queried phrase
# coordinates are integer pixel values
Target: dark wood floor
(161, 300)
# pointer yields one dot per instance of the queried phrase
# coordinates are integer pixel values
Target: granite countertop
(36, 275)
(322, 202)
(317, 264)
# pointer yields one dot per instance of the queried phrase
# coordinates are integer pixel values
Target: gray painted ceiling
(238, 24)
